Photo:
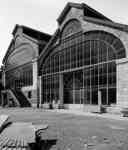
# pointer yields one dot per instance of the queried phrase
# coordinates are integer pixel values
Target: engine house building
(84, 63)
(20, 70)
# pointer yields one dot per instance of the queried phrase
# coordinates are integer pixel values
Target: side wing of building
(21, 66)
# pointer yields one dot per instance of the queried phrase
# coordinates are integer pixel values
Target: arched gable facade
(19, 69)
(70, 27)
(81, 69)
(23, 54)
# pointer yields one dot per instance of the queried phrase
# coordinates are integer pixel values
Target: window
(19, 77)
(92, 55)
(29, 94)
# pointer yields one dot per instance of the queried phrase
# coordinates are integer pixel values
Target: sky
(42, 15)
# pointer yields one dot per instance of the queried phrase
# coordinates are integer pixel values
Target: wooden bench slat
(3, 120)
(2, 139)
(4, 148)
(17, 136)
(4, 142)
(16, 144)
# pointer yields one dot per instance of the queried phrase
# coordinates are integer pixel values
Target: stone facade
(122, 65)
(76, 12)
(122, 82)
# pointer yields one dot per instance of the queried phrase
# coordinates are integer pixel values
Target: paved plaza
(77, 131)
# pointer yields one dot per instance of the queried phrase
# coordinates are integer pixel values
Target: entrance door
(73, 87)
(68, 88)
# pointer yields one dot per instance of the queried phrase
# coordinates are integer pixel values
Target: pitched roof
(32, 33)
(36, 34)
(98, 19)
(39, 36)
(48, 45)
(87, 11)
(115, 25)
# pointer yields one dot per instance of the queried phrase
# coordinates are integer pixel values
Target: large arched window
(83, 50)
(87, 60)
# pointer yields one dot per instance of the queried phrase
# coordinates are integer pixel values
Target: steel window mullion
(46, 88)
(107, 76)
(42, 89)
(83, 86)
(83, 69)
(59, 61)
(73, 88)
(70, 56)
(51, 88)
(90, 76)
(98, 68)
(54, 69)
(82, 50)
(79, 68)
(64, 53)
(76, 49)
(50, 79)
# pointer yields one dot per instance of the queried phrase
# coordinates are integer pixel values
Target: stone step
(114, 109)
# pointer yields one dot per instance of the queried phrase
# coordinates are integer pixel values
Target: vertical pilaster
(3, 78)
(73, 87)
(61, 89)
(99, 98)
(99, 101)
(40, 91)
(35, 100)
(35, 73)
(122, 82)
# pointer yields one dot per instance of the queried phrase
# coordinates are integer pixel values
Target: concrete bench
(46, 139)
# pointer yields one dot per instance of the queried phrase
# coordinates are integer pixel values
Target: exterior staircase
(15, 102)
(23, 101)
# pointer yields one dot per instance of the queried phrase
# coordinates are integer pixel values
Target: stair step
(21, 98)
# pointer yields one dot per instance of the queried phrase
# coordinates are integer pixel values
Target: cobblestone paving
(76, 132)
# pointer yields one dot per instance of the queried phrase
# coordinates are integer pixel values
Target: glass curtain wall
(19, 77)
(87, 62)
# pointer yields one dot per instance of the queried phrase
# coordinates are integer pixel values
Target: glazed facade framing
(19, 77)
(87, 62)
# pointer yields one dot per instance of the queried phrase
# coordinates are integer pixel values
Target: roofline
(36, 30)
(115, 25)
(118, 26)
(79, 6)
(66, 8)
(95, 11)
(15, 28)
(49, 43)
(7, 51)
(23, 26)
(13, 33)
